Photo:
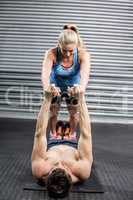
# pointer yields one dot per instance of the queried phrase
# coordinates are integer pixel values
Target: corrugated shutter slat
(29, 28)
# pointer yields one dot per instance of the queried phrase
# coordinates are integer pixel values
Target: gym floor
(113, 155)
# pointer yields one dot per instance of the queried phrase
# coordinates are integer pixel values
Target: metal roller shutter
(29, 28)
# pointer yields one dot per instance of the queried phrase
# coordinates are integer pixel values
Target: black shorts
(55, 142)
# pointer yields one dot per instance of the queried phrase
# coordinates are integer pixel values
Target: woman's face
(68, 50)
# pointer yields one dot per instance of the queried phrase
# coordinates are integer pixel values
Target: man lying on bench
(62, 161)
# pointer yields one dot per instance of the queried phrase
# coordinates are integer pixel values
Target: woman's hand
(53, 90)
(76, 90)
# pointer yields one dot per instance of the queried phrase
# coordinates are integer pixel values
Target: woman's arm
(47, 68)
(48, 61)
(84, 69)
(84, 60)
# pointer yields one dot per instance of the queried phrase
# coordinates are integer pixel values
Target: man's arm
(85, 139)
(40, 139)
(83, 166)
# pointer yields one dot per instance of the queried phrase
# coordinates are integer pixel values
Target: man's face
(68, 50)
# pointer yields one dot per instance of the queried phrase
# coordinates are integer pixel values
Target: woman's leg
(74, 117)
(53, 117)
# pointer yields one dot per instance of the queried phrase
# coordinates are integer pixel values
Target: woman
(64, 66)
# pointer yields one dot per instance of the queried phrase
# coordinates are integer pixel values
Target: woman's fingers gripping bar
(75, 90)
(55, 90)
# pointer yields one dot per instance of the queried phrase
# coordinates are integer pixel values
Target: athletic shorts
(55, 142)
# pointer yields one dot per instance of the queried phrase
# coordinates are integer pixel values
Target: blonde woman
(64, 66)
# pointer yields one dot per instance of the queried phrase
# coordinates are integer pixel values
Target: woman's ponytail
(70, 35)
(74, 28)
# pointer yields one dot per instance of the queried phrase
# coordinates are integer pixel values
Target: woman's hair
(70, 35)
(58, 183)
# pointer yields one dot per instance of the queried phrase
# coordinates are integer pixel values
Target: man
(66, 163)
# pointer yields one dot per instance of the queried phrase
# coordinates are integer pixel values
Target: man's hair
(58, 183)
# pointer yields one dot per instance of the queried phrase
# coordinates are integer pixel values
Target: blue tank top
(64, 77)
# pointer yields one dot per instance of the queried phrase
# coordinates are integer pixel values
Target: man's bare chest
(68, 156)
